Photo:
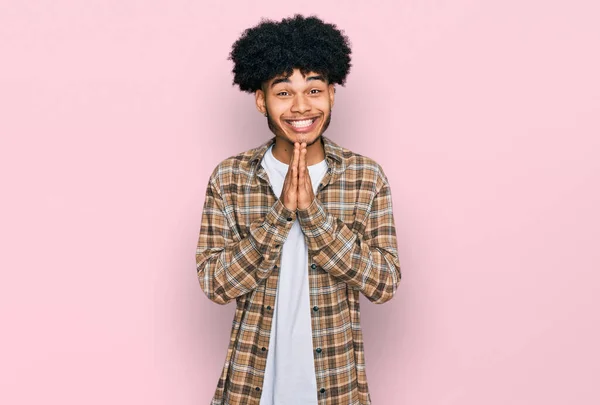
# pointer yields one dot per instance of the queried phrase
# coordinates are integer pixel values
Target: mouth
(303, 125)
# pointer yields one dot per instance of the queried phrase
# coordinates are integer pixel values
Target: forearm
(369, 265)
(228, 269)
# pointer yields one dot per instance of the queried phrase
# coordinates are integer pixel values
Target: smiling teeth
(301, 124)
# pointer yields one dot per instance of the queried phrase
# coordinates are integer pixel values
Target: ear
(261, 102)
(331, 94)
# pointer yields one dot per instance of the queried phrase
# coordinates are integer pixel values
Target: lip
(305, 129)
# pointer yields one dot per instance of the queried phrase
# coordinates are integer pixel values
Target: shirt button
(269, 307)
(258, 388)
(319, 350)
(322, 390)
(315, 308)
(275, 266)
(263, 349)
(289, 218)
(276, 246)
(313, 266)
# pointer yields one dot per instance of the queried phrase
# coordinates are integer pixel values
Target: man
(295, 229)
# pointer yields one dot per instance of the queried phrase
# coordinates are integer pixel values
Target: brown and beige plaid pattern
(351, 238)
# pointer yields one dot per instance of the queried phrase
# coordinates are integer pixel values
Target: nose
(301, 104)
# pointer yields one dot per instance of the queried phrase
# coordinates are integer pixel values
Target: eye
(281, 93)
(317, 91)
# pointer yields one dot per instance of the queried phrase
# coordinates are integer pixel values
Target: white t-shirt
(290, 373)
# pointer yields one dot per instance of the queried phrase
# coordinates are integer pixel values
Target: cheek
(324, 102)
(277, 109)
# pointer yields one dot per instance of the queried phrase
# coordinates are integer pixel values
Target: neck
(283, 150)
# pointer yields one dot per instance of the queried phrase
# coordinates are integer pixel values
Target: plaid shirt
(351, 238)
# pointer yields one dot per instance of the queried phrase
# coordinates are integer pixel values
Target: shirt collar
(333, 152)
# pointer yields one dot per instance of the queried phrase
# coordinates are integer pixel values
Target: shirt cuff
(314, 220)
(279, 215)
(268, 237)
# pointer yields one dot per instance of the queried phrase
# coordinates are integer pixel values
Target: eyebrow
(287, 80)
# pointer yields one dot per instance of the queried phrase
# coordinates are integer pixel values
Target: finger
(302, 167)
(295, 167)
(295, 156)
(291, 164)
(299, 149)
(306, 172)
(287, 174)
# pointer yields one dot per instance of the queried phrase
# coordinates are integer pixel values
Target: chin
(309, 138)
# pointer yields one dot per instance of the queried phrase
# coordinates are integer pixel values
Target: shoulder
(229, 170)
(364, 167)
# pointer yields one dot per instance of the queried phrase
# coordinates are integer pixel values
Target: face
(298, 107)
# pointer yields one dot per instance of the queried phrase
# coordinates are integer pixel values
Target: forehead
(297, 78)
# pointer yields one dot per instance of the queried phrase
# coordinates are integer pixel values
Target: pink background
(484, 115)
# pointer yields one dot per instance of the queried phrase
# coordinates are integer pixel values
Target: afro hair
(276, 48)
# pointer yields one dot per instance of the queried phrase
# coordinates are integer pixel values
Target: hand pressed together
(297, 192)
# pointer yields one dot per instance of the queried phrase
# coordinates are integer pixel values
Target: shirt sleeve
(228, 268)
(367, 262)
